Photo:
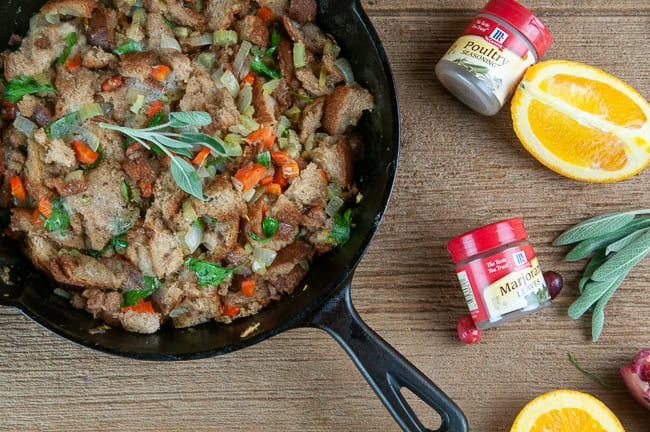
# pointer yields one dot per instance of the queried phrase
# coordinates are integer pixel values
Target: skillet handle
(384, 368)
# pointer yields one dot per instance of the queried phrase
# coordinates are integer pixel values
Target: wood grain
(458, 170)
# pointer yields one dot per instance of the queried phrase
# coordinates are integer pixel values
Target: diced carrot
(37, 217)
(249, 78)
(84, 154)
(265, 13)
(250, 175)
(146, 188)
(17, 188)
(230, 310)
(248, 287)
(112, 84)
(133, 148)
(201, 156)
(266, 180)
(160, 72)
(154, 108)
(278, 179)
(45, 207)
(141, 307)
(323, 174)
(264, 135)
(280, 157)
(290, 170)
(73, 63)
(274, 189)
(265, 209)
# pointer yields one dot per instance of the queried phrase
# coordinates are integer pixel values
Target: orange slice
(566, 411)
(582, 122)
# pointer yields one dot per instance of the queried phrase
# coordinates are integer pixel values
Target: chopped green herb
(125, 191)
(258, 66)
(16, 88)
(302, 97)
(118, 244)
(128, 47)
(592, 375)
(171, 24)
(209, 273)
(70, 41)
(62, 126)
(264, 158)
(59, 219)
(341, 230)
(270, 226)
(150, 285)
(157, 119)
(275, 41)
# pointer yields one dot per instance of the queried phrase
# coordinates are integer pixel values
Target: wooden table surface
(457, 171)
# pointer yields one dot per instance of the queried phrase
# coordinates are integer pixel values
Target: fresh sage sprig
(177, 143)
(616, 243)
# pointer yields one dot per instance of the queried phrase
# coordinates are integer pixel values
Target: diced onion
(90, 110)
(137, 105)
(293, 113)
(309, 143)
(258, 267)
(231, 83)
(264, 256)
(244, 49)
(232, 144)
(194, 236)
(224, 37)
(283, 142)
(52, 18)
(246, 196)
(176, 312)
(333, 206)
(245, 98)
(139, 17)
(346, 69)
(206, 59)
(132, 94)
(334, 190)
(74, 176)
(167, 42)
(249, 112)
(61, 292)
(188, 211)
(25, 126)
(258, 193)
(89, 138)
(249, 123)
(270, 86)
(283, 124)
(201, 40)
(299, 57)
(181, 32)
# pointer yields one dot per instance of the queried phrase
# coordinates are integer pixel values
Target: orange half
(566, 411)
(582, 122)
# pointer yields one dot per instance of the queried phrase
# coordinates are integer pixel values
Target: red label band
(497, 35)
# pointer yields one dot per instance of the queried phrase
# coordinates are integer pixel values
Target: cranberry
(554, 282)
(467, 331)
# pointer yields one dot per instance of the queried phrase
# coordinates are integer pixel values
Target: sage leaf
(623, 261)
(193, 118)
(171, 143)
(592, 293)
(598, 316)
(620, 244)
(186, 177)
(596, 261)
(586, 247)
(206, 140)
(594, 227)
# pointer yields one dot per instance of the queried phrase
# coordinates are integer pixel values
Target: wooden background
(458, 171)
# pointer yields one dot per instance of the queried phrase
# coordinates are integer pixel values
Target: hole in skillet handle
(387, 371)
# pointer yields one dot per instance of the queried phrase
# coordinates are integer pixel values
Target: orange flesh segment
(597, 98)
(565, 420)
(575, 143)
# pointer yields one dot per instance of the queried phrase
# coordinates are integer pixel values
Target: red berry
(554, 282)
(467, 331)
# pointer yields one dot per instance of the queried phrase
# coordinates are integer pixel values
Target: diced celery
(299, 58)
(224, 37)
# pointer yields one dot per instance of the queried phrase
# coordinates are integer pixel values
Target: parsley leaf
(275, 41)
(128, 47)
(70, 40)
(270, 226)
(59, 219)
(118, 244)
(157, 119)
(258, 66)
(208, 273)
(341, 230)
(150, 285)
(18, 87)
(264, 158)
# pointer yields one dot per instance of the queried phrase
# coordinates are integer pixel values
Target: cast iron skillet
(325, 304)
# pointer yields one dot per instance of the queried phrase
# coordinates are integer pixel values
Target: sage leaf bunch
(616, 242)
(177, 143)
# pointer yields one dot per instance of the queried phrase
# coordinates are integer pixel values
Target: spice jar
(485, 64)
(499, 273)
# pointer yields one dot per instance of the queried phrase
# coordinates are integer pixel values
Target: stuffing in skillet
(178, 161)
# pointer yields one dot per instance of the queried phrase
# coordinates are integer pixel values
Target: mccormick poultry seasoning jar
(485, 64)
(499, 273)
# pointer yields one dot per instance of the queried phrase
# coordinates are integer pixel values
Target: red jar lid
(523, 20)
(485, 238)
